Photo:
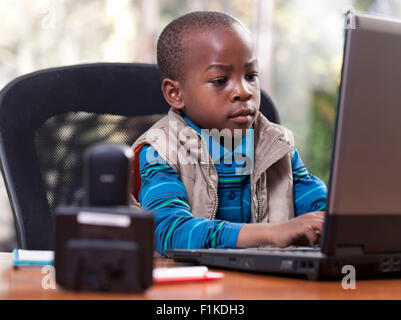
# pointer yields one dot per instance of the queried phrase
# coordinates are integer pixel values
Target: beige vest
(186, 152)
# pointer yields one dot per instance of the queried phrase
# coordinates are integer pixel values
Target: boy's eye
(252, 76)
(219, 81)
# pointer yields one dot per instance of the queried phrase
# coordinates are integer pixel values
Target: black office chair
(49, 117)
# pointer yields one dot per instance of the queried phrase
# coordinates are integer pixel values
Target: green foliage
(320, 137)
(363, 5)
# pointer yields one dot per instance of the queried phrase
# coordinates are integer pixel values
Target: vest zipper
(209, 182)
(259, 202)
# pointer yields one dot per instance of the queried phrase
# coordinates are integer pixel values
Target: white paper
(35, 255)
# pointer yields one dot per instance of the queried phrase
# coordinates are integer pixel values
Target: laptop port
(232, 259)
(385, 268)
(385, 265)
(286, 264)
(396, 264)
(306, 264)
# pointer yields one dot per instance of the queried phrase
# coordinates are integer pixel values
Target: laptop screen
(364, 206)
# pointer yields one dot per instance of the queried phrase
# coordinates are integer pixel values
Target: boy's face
(221, 88)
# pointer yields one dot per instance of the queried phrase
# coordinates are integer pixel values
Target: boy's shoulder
(163, 124)
(265, 129)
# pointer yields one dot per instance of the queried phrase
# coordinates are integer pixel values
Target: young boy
(200, 197)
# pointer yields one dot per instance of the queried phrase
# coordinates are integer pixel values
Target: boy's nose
(241, 92)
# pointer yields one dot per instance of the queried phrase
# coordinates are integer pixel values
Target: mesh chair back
(48, 118)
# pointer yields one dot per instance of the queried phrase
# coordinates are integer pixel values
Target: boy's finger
(319, 214)
(317, 227)
(312, 216)
(315, 214)
(311, 235)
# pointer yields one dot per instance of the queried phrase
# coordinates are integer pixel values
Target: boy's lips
(242, 115)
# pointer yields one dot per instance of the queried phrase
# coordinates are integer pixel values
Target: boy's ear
(172, 91)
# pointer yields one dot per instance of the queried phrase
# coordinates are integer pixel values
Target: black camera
(106, 174)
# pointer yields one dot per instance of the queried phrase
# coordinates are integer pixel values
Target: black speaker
(104, 249)
(104, 245)
(106, 175)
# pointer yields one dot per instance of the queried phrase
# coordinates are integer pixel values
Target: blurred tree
(321, 115)
(320, 138)
(148, 30)
(363, 5)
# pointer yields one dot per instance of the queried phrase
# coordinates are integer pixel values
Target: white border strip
(104, 219)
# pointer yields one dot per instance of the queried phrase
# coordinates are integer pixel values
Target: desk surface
(27, 284)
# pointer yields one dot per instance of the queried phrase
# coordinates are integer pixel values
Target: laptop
(362, 226)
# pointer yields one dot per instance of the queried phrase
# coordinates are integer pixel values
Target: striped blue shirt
(163, 193)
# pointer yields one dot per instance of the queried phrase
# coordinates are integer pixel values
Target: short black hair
(170, 46)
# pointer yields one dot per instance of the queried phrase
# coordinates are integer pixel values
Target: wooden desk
(27, 284)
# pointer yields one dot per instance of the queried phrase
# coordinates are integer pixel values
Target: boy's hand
(302, 230)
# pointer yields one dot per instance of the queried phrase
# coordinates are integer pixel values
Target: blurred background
(299, 45)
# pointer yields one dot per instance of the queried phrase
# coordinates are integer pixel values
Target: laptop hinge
(349, 250)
